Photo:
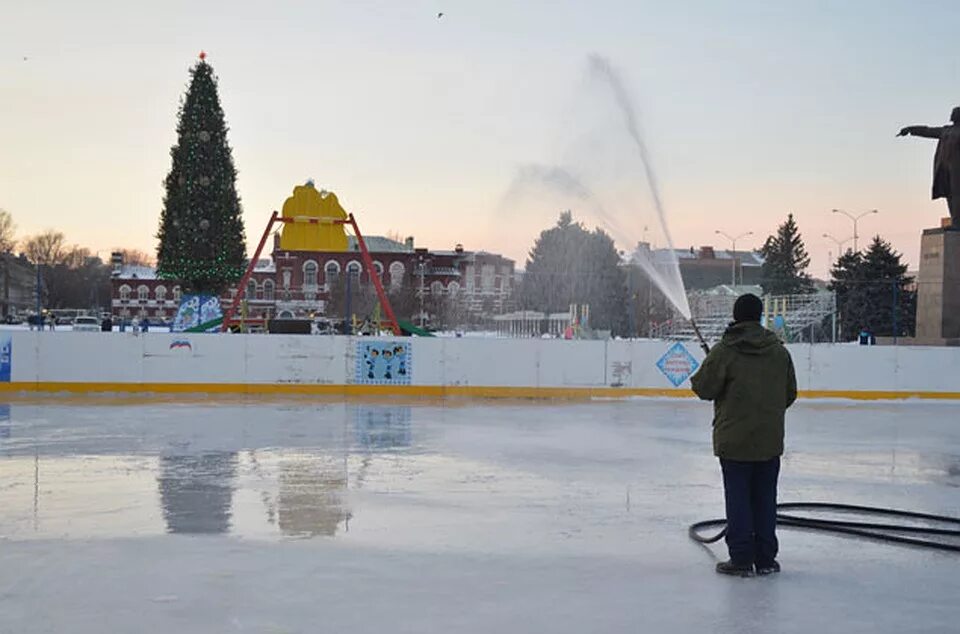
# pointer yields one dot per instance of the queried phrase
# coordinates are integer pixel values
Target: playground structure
(313, 220)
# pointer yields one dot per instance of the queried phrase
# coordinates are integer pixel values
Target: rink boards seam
(429, 391)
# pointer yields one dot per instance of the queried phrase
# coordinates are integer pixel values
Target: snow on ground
(307, 516)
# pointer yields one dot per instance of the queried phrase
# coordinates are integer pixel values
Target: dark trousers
(750, 492)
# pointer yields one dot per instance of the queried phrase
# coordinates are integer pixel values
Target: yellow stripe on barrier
(422, 391)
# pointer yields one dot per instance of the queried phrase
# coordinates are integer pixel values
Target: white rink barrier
(479, 367)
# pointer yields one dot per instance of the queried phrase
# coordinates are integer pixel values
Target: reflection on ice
(197, 491)
(311, 499)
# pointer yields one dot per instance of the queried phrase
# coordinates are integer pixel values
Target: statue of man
(946, 162)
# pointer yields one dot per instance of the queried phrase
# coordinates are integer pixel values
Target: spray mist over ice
(604, 170)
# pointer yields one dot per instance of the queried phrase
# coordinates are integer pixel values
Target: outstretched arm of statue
(922, 130)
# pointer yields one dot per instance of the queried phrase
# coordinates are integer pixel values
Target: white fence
(54, 361)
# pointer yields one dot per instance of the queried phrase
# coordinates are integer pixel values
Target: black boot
(737, 570)
(768, 568)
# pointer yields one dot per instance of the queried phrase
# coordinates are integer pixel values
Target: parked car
(86, 324)
(12, 319)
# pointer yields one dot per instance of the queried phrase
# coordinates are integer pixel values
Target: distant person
(749, 377)
(145, 325)
(52, 322)
(867, 338)
(106, 325)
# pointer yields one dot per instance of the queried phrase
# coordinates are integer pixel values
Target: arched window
(396, 274)
(176, 294)
(331, 272)
(354, 269)
(160, 293)
(268, 290)
(453, 288)
(125, 293)
(378, 267)
(251, 290)
(310, 273)
(143, 293)
(436, 288)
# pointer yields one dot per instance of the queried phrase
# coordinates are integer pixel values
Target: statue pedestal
(938, 288)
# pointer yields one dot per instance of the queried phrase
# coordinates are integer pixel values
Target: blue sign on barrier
(677, 364)
(6, 358)
(384, 362)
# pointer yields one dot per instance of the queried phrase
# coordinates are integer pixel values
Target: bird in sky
(440, 15)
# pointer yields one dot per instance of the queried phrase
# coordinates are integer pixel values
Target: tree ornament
(204, 136)
(204, 224)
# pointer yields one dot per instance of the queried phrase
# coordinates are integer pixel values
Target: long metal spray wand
(703, 342)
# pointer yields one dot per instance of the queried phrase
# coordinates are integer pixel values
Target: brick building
(707, 267)
(298, 283)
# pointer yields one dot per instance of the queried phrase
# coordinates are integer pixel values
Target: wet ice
(411, 517)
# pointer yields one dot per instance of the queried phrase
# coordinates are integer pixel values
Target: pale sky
(752, 109)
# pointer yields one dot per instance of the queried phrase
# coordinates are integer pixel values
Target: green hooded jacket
(749, 377)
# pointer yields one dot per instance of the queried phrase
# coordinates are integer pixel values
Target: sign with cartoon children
(384, 362)
(198, 313)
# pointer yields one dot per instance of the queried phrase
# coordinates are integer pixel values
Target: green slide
(409, 329)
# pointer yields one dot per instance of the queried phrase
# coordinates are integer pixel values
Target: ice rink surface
(305, 516)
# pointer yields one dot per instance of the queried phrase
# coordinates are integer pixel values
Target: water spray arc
(606, 170)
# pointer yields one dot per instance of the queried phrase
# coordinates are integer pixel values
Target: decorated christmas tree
(201, 234)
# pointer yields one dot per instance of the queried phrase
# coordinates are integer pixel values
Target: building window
(286, 278)
(268, 290)
(453, 288)
(331, 272)
(310, 273)
(160, 293)
(397, 271)
(252, 290)
(125, 293)
(379, 269)
(436, 288)
(143, 293)
(176, 294)
(354, 269)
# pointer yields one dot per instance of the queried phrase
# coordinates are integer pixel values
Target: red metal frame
(364, 255)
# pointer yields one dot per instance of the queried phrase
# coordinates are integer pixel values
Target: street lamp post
(733, 252)
(837, 242)
(855, 220)
(422, 271)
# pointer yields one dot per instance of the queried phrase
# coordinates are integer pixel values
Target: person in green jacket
(749, 376)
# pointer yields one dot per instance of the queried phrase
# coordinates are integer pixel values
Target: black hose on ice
(895, 533)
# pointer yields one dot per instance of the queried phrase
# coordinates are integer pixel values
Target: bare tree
(137, 257)
(75, 256)
(8, 230)
(48, 248)
(393, 234)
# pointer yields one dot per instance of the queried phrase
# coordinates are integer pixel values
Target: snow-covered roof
(379, 244)
(265, 265)
(748, 258)
(137, 272)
